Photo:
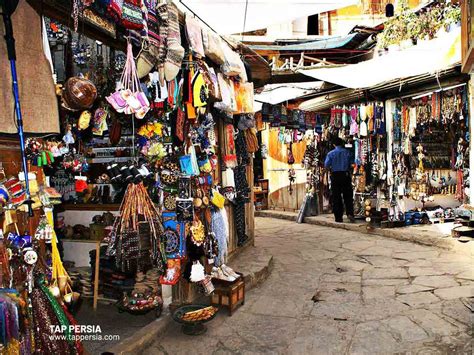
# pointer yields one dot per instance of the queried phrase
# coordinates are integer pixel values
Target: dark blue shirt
(339, 159)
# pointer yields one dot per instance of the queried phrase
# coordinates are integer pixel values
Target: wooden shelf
(91, 207)
(102, 160)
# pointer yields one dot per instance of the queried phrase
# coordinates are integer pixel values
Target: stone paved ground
(334, 291)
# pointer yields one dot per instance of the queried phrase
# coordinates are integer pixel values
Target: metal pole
(7, 9)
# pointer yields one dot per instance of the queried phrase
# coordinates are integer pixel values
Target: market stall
(151, 176)
(411, 146)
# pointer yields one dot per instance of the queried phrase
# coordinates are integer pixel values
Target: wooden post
(251, 206)
(96, 275)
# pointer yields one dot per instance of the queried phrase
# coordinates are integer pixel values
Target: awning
(425, 57)
(414, 85)
(277, 93)
(228, 16)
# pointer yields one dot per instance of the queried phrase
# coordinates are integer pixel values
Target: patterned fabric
(243, 157)
(175, 52)
(43, 319)
(221, 230)
(132, 15)
(162, 17)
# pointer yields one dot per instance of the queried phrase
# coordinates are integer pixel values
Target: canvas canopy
(426, 57)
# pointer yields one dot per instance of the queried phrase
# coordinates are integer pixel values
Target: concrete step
(253, 262)
(437, 235)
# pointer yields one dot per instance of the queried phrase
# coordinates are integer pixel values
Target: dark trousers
(341, 188)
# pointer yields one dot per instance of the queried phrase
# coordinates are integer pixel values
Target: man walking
(339, 161)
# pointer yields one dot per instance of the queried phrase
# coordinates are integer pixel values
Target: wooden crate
(229, 295)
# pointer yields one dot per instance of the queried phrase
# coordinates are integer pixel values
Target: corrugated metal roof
(330, 43)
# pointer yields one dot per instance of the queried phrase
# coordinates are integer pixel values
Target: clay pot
(79, 94)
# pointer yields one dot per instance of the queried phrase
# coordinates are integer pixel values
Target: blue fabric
(339, 159)
(218, 227)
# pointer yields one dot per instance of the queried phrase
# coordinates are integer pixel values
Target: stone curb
(143, 337)
(256, 278)
(429, 240)
(146, 335)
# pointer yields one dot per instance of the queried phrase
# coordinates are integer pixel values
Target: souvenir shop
(288, 137)
(411, 153)
(148, 181)
(411, 156)
(429, 140)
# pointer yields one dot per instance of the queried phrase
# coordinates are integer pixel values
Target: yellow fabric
(217, 199)
(199, 86)
(58, 269)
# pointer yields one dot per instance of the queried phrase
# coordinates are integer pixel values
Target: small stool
(227, 294)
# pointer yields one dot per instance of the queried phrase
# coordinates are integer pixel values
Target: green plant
(452, 14)
(408, 25)
(435, 18)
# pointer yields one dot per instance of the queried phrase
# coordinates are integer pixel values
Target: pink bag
(129, 97)
(194, 33)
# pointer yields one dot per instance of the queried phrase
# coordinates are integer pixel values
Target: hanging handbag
(217, 198)
(233, 64)
(174, 236)
(212, 83)
(186, 165)
(194, 35)
(251, 140)
(213, 47)
(173, 272)
(228, 178)
(197, 232)
(197, 272)
(226, 100)
(184, 210)
(205, 165)
(132, 15)
(244, 97)
(129, 97)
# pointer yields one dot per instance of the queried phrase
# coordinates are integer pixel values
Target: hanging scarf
(243, 157)
(460, 185)
(220, 229)
(45, 319)
(345, 116)
(412, 122)
(230, 157)
(405, 119)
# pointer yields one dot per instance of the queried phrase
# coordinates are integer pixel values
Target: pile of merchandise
(430, 149)
(168, 134)
(36, 289)
(420, 154)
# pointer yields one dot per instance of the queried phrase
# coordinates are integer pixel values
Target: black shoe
(339, 220)
(351, 219)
